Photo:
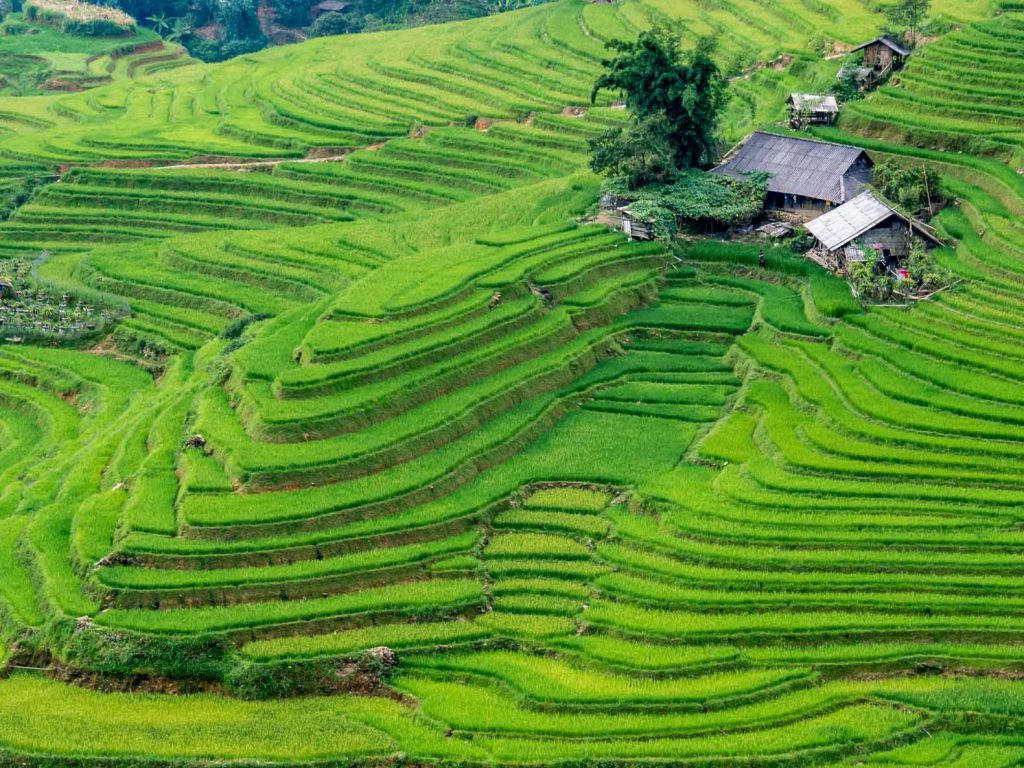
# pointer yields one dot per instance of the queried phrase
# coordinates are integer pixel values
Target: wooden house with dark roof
(882, 55)
(804, 175)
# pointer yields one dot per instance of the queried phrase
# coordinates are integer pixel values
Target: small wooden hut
(635, 227)
(812, 109)
(865, 222)
(881, 56)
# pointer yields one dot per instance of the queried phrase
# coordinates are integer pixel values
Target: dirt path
(779, 63)
(256, 163)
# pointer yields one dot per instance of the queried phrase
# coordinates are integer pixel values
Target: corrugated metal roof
(849, 221)
(892, 44)
(805, 167)
(814, 102)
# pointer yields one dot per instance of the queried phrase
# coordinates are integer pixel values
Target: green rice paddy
(385, 383)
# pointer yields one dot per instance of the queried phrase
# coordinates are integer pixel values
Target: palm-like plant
(181, 29)
(160, 22)
(20, 85)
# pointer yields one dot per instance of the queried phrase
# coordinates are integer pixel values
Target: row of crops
(605, 501)
(406, 176)
(960, 94)
(328, 95)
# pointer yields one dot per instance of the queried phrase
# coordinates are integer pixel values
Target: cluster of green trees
(909, 15)
(18, 192)
(362, 16)
(658, 159)
(674, 100)
(916, 189)
(238, 24)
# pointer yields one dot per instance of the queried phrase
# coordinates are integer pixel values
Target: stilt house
(881, 56)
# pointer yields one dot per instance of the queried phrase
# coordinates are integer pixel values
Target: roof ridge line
(803, 138)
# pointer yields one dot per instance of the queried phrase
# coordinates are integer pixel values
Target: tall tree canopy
(909, 14)
(674, 98)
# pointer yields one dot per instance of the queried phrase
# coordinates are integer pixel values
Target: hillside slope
(36, 58)
(605, 503)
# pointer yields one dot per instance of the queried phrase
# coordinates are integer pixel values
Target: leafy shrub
(801, 242)
(915, 189)
(695, 197)
(17, 194)
(923, 273)
(214, 51)
(924, 270)
(846, 88)
(14, 28)
(283, 679)
(235, 328)
(335, 24)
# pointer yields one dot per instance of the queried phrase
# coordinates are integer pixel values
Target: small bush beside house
(695, 199)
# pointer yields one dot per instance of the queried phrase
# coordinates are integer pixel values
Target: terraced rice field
(384, 385)
(38, 58)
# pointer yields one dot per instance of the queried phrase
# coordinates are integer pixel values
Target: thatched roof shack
(865, 221)
(812, 109)
(805, 174)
